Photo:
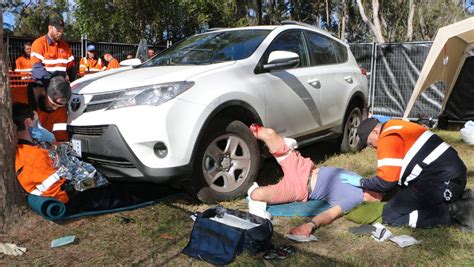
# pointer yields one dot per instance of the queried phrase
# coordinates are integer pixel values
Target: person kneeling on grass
(37, 175)
(304, 181)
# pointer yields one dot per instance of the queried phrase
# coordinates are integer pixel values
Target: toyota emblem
(75, 103)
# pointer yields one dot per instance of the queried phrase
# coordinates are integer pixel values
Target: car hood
(125, 78)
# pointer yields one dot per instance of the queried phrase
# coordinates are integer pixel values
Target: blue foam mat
(304, 209)
(54, 210)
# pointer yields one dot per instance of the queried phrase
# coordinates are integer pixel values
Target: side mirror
(281, 59)
(130, 62)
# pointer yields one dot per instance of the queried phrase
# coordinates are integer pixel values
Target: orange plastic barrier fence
(18, 84)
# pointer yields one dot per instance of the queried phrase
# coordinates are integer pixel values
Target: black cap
(107, 51)
(57, 22)
(365, 128)
(59, 90)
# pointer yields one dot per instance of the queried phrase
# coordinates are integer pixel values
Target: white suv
(185, 113)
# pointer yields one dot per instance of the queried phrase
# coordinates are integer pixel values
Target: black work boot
(462, 211)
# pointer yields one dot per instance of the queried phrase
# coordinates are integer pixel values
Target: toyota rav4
(185, 112)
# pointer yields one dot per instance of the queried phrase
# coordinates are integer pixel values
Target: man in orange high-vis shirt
(23, 63)
(92, 63)
(430, 173)
(37, 175)
(51, 56)
(112, 63)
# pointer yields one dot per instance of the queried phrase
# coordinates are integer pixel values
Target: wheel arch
(237, 109)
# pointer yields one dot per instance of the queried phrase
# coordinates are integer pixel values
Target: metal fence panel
(397, 67)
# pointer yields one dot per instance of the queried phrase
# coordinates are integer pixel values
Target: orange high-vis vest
(35, 172)
(90, 65)
(113, 64)
(55, 56)
(404, 149)
(23, 64)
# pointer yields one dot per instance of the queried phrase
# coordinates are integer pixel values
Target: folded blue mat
(304, 209)
(54, 210)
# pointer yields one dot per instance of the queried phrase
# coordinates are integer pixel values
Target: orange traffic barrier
(18, 86)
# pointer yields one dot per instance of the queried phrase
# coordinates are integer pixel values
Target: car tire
(227, 161)
(350, 141)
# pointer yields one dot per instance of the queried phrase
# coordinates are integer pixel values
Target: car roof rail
(216, 29)
(294, 22)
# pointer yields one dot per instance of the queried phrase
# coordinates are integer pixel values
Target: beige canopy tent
(445, 60)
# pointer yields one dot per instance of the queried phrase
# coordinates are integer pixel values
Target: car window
(322, 49)
(341, 51)
(211, 48)
(292, 41)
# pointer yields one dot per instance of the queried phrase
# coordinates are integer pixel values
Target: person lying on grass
(304, 181)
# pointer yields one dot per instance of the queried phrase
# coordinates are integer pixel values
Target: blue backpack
(220, 234)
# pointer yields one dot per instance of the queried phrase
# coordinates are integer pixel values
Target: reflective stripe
(415, 172)
(38, 56)
(50, 69)
(104, 68)
(82, 66)
(413, 150)
(94, 69)
(36, 192)
(389, 162)
(413, 218)
(395, 127)
(22, 70)
(85, 60)
(436, 153)
(57, 61)
(48, 182)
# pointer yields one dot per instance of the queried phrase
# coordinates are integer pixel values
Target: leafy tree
(31, 17)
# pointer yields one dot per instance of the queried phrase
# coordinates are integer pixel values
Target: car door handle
(314, 83)
(348, 79)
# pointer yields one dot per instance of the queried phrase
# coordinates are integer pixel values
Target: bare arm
(324, 218)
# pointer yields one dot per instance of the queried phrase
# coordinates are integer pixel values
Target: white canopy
(445, 60)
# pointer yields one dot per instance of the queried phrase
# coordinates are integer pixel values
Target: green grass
(161, 231)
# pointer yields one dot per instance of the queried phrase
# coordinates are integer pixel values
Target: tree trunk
(342, 33)
(327, 15)
(374, 27)
(10, 193)
(411, 14)
(259, 12)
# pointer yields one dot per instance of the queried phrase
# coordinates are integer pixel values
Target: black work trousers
(115, 195)
(424, 203)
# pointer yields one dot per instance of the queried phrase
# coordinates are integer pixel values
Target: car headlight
(151, 95)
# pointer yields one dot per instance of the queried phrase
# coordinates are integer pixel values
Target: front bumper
(100, 146)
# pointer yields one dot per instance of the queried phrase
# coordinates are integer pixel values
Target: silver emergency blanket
(79, 173)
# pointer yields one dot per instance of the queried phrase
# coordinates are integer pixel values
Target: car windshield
(210, 48)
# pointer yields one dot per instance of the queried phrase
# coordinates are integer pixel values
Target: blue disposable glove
(350, 178)
(41, 134)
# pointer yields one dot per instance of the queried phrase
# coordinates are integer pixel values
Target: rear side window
(292, 41)
(341, 51)
(322, 49)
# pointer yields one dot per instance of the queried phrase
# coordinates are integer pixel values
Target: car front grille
(87, 130)
(102, 101)
(113, 162)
